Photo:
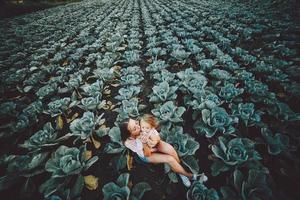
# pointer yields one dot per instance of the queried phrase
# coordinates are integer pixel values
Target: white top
(135, 145)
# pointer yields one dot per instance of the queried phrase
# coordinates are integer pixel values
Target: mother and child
(141, 136)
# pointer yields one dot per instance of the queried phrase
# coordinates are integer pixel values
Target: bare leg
(166, 148)
(164, 158)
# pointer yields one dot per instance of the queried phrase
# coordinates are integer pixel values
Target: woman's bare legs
(166, 148)
(164, 158)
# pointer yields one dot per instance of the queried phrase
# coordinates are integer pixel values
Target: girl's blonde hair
(150, 119)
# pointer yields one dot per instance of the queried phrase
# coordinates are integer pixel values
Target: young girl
(149, 135)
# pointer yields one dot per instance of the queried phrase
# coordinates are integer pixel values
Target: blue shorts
(144, 159)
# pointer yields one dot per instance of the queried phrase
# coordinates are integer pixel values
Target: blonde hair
(150, 119)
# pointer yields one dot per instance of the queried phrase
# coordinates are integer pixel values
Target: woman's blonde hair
(150, 119)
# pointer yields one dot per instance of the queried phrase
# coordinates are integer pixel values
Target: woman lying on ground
(162, 153)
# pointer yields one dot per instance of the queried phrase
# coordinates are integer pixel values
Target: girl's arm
(147, 150)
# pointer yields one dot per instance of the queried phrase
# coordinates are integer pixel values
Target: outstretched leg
(166, 148)
(164, 158)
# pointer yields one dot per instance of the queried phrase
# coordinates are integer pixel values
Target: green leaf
(123, 180)
(191, 163)
(238, 179)
(217, 167)
(77, 188)
(139, 189)
(51, 186)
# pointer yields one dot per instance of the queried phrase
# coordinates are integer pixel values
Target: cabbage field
(222, 77)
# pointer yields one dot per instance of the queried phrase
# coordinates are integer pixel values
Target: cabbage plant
(156, 66)
(247, 113)
(198, 191)
(22, 168)
(83, 128)
(7, 109)
(165, 75)
(215, 120)
(233, 152)
(131, 57)
(163, 92)
(206, 64)
(127, 93)
(58, 106)
(121, 190)
(66, 164)
(242, 188)
(47, 136)
(229, 92)
(129, 109)
(89, 103)
(131, 79)
(276, 142)
(180, 55)
(168, 113)
(94, 89)
(47, 90)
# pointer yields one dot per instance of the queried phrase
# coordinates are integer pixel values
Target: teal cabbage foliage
(193, 81)
(206, 64)
(163, 92)
(7, 108)
(132, 70)
(276, 143)
(247, 113)
(156, 66)
(157, 51)
(105, 74)
(20, 167)
(283, 112)
(129, 109)
(165, 75)
(256, 88)
(192, 46)
(84, 127)
(262, 67)
(214, 120)
(278, 76)
(183, 143)
(120, 190)
(232, 152)
(131, 79)
(46, 90)
(244, 75)
(94, 89)
(89, 103)
(220, 74)
(198, 191)
(44, 137)
(66, 164)
(74, 82)
(195, 85)
(228, 62)
(254, 187)
(205, 99)
(68, 161)
(169, 113)
(127, 93)
(229, 92)
(105, 62)
(131, 57)
(180, 55)
(57, 107)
